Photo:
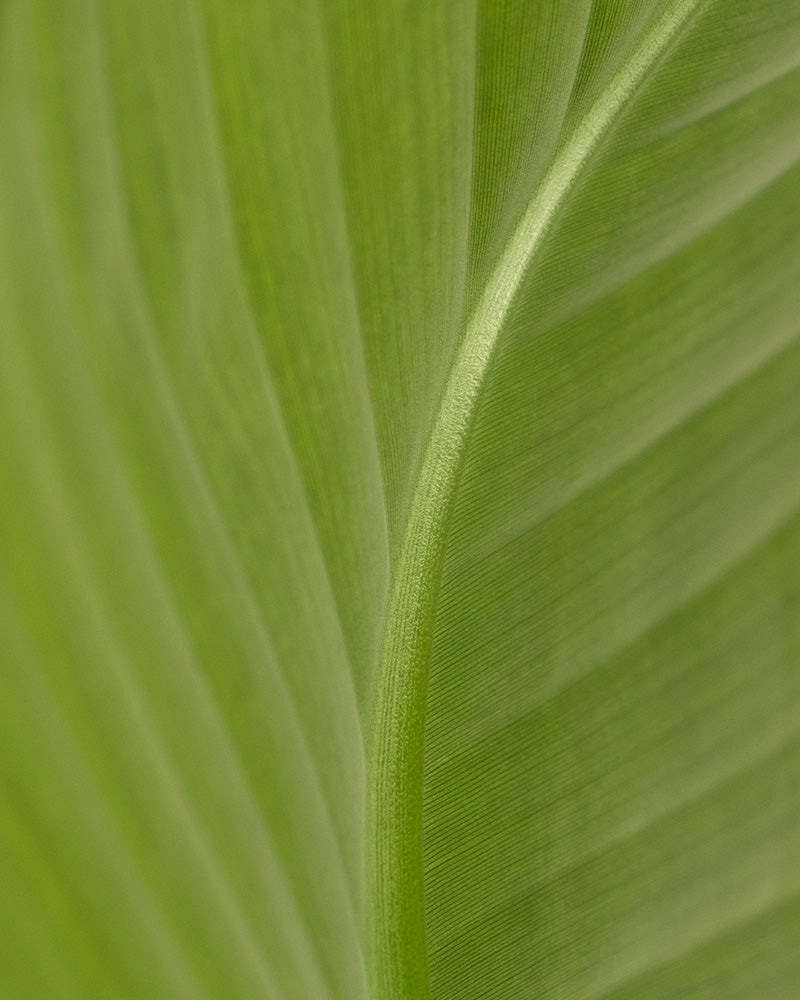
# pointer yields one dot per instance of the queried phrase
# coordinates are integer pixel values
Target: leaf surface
(400, 570)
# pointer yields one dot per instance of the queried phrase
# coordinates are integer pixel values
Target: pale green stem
(395, 791)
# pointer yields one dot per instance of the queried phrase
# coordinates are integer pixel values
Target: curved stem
(395, 775)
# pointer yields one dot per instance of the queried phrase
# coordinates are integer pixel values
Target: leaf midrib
(396, 914)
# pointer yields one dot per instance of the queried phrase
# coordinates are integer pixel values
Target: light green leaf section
(399, 500)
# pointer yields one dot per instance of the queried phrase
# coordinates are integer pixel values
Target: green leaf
(399, 499)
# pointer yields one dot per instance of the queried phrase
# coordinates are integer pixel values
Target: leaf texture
(400, 561)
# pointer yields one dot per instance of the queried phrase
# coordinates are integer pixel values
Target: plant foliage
(400, 499)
